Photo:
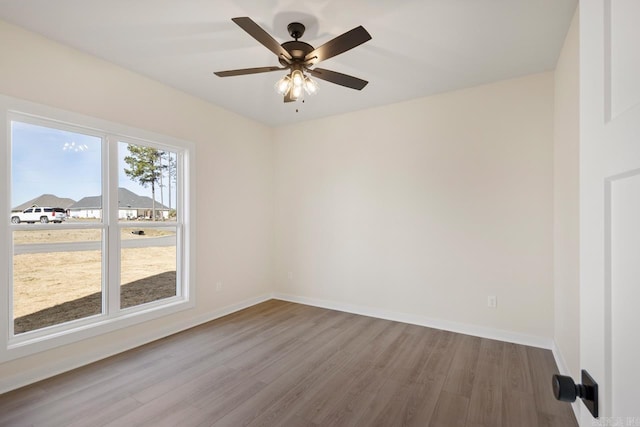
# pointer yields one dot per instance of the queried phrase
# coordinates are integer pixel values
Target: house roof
(127, 199)
(46, 200)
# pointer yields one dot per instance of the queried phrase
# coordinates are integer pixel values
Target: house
(131, 206)
(45, 200)
(417, 210)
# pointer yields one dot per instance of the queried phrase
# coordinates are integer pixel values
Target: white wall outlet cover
(492, 301)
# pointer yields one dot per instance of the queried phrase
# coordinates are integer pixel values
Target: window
(57, 272)
(148, 262)
(98, 231)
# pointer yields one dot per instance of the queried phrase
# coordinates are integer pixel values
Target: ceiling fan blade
(338, 45)
(244, 71)
(262, 36)
(338, 78)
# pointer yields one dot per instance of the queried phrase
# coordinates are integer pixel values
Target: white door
(610, 206)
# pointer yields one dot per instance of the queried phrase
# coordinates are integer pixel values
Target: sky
(66, 164)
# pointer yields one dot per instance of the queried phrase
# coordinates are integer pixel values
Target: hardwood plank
(378, 394)
(485, 404)
(104, 415)
(463, 367)
(280, 363)
(20, 399)
(451, 411)
(421, 403)
(517, 373)
(227, 399)
(425, 388)
(355, 402)
(418, 355)
(323, 337)
(168, 379)
(438, 364)
(312, 374)
(71, 405)
(323, 363)
(320, 401)
(548, 420)
(281, 393)
(296, 421)
(361, 377)
(518, 409)
(387, 406)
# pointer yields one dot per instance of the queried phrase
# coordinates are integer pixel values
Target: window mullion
(111, 254)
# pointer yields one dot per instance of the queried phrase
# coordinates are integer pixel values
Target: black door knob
(566, 390)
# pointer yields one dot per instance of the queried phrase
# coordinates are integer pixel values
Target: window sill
(56, 336)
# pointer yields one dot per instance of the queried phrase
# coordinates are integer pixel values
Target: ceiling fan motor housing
(298, 50)
(296, 30)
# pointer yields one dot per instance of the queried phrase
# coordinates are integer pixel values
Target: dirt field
(89, 235)
(52, 288)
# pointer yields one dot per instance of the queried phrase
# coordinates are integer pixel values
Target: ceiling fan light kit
(294, 83)
(299, 57)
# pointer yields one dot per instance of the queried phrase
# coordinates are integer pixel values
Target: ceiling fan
(299, 58)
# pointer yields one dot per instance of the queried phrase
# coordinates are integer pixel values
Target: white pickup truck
(39, 214)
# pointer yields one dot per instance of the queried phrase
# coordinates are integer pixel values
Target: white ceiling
(419, 47)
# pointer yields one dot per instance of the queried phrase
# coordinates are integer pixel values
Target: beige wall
(234, 178)
(425, 207)
(566, 273)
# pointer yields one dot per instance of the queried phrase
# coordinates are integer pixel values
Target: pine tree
(144, 167)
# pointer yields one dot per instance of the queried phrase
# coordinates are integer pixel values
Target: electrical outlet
(290, 276)
(492, 301)
(218, 286)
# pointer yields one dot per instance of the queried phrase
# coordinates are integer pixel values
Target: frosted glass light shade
(310, 86)
(283, 85)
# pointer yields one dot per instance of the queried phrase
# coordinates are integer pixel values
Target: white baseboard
(564, 370)
(38, 373)
(462, 328)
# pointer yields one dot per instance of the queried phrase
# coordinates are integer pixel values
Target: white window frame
(113, 318)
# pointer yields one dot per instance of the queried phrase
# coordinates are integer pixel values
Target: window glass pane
(56, 169)
(148, 264)
(147, 183)
(57, 276)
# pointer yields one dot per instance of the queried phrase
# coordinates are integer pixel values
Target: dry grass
(135, 293)
(55, 287)
(25, 237)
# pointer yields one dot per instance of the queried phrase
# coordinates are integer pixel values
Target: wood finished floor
(285, 364)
